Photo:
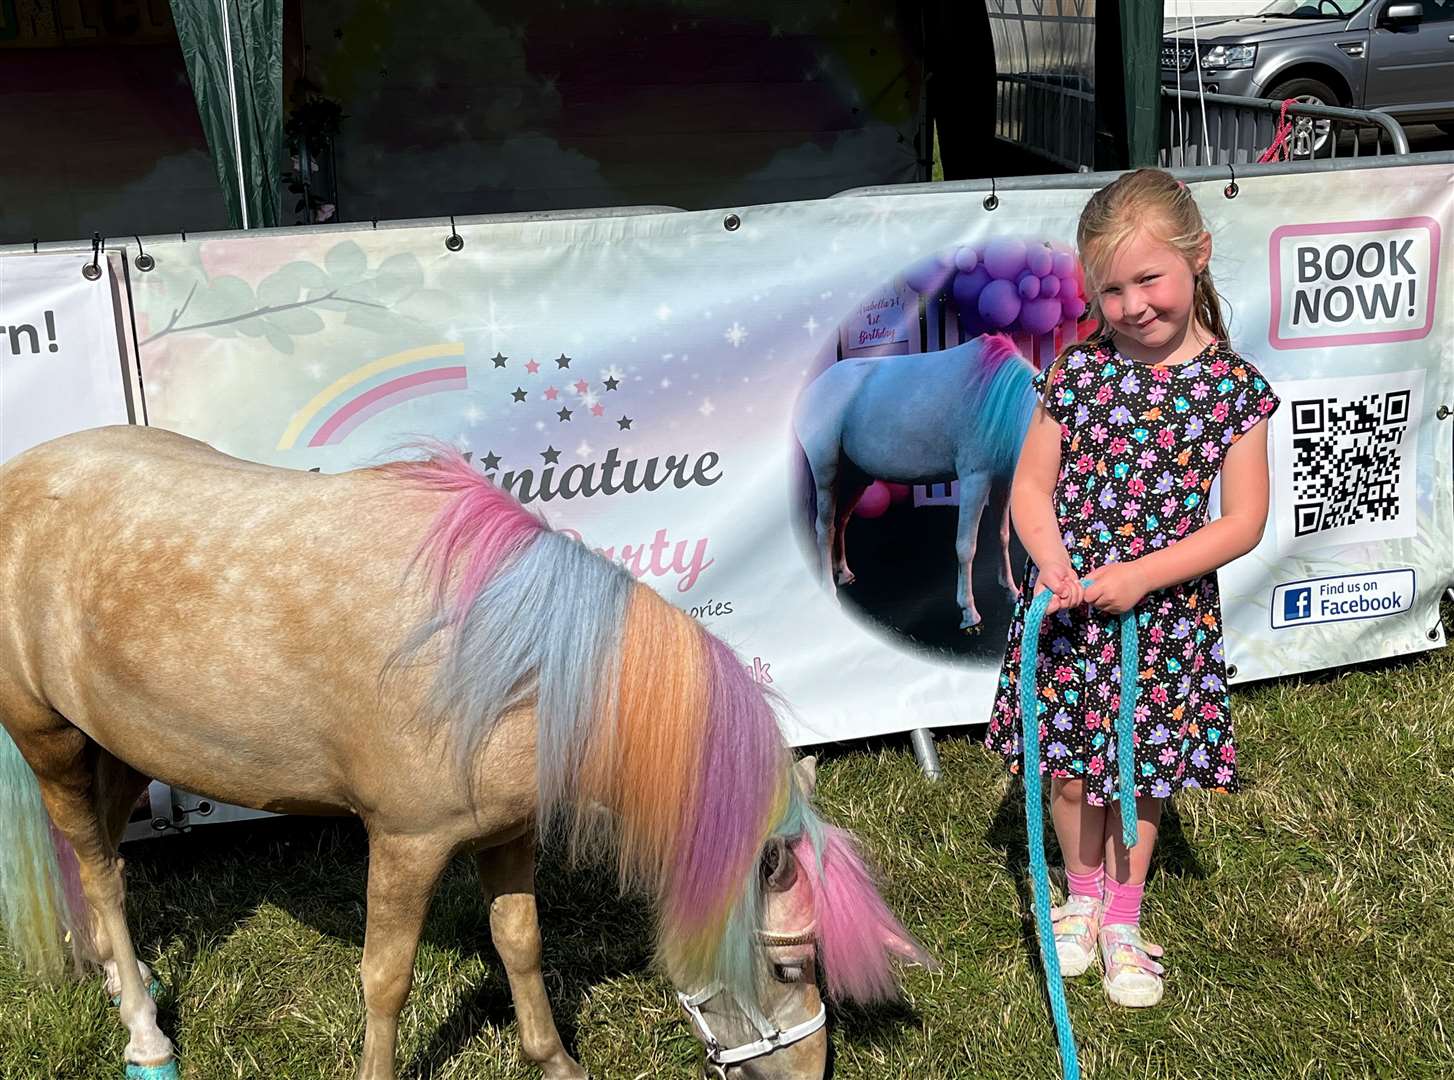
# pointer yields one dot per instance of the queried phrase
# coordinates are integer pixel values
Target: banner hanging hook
(454, 241)
(144, 262)
(1231, 189)
(992, 200)
(92, 270)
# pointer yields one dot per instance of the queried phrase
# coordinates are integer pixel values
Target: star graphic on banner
(612, 383)
(551, 393)
(518, 395)
(564, 415)
(582, 386)
(551, 455)
(562, 361)
(498, 360)
(492, 461)
(533, 366)
(624, 423)
(597, 410)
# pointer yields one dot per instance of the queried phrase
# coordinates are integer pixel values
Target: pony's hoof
(169, 1071)
(153, 989)
(846, 578)
(970, 630)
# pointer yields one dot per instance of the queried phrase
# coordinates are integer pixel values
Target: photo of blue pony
(956, 414)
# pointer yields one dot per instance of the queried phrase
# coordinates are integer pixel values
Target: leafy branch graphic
(285, 304)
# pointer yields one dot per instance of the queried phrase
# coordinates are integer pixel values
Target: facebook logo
(1297, 604)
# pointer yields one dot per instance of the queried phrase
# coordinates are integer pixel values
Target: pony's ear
(806, 772)
(907, 949)
(779, 868)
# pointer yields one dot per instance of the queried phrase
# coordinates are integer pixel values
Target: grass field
(1308, 922)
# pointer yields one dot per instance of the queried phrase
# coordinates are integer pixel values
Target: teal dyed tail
(33, 906)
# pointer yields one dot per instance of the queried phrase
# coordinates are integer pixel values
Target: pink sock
(1123, 903)
(1086, 884)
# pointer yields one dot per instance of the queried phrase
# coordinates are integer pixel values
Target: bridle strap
(771, 1038)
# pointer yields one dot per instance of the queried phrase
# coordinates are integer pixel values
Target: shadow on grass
(315, 870)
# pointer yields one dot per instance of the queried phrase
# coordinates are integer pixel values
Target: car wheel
(1309, 138)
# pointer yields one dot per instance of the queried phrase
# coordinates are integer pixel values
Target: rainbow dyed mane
(640, 710)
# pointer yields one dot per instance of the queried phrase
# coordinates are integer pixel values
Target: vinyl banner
(686, 392)
(60, 358)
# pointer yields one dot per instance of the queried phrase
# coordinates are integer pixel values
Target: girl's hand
(1065, 584)
(1116, 588)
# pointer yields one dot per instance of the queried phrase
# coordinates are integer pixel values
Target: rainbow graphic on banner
(372, 389)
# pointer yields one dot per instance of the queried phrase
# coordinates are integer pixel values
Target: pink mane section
(857, 932)
(995, 349)
(485, 523)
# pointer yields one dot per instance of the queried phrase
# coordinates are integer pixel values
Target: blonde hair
(1157, 201)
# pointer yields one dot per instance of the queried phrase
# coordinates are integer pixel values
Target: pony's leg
(118, 786)
(844, 511)
(403, 873)
(507, 874)
(825, 526)
(1007, 569)
(974, 490)
(65, 760)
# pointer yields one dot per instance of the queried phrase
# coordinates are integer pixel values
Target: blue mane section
(1006, 403)
(547, 626)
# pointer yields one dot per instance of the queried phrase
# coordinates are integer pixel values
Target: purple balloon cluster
(1004, 285)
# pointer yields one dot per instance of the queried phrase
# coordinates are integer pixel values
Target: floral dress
(1139, 448)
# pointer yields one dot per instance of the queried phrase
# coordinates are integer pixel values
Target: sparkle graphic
(584, 450)
(811, 326)
(473, 415)
(736, 334)
(706, 408)
(663, 313)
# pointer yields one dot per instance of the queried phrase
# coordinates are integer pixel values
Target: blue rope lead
(1034, 812)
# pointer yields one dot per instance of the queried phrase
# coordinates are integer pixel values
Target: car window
(1438, 11)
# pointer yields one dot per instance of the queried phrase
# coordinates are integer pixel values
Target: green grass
(1308, 922)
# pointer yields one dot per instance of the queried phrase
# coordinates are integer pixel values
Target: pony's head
(820, 914)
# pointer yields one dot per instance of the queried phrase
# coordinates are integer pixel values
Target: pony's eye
(788, 973)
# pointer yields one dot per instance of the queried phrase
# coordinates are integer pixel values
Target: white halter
(771, 1038)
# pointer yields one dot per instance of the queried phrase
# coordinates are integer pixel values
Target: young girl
(1112, 484)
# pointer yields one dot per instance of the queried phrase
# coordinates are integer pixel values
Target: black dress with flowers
(1139, 449)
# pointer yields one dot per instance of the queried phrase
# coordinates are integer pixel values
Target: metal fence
(1220, 129)
(1045, 77)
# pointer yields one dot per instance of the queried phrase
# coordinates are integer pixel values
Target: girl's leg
(1133, 977)
(1126, 868)
(1080, 828)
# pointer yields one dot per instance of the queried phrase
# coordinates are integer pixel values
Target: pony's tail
(41, 903)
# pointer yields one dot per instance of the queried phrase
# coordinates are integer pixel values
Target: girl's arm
(1032, 509)
(1121, 586)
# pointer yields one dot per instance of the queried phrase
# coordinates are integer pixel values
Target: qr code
(1353, 444)
(1348, 457)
